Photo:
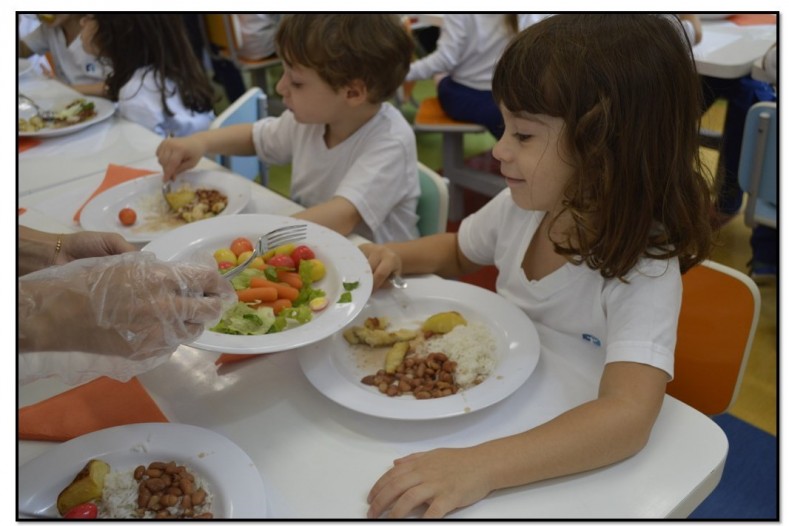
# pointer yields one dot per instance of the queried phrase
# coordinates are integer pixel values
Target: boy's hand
(383, 261)
(178, 155)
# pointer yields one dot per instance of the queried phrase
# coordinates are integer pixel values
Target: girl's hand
(443, 479)
(177, 155)
(383, 261)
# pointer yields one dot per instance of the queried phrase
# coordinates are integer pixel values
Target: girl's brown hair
(132, 41)
(374, 48)
(627, 89)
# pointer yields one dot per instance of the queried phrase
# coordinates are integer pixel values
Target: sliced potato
(88, 485)
(443, 322)
(395, 356)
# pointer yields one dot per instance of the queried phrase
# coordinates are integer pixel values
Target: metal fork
(166, 186)
(275, 238)
(28, 107)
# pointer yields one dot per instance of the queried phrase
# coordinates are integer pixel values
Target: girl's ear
(356, 92)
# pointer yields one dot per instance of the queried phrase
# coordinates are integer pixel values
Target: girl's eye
(521, 137)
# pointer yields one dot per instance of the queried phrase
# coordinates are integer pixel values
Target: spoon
(29, 109)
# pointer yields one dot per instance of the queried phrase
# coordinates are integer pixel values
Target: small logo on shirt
(593, 339)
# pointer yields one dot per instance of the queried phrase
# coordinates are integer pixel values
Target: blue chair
(433, 205)
(758, 170)
(250, 107)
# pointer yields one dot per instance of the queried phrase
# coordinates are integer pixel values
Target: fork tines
(285, 234)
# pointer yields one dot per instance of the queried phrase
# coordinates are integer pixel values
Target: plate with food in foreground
(70, 116)
(336, 281)
(110, 473)
(436, 349)
(138, 211)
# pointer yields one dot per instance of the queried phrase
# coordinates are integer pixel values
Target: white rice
(473, 348)
(119, 498)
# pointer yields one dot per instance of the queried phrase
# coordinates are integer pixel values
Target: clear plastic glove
(114, 316)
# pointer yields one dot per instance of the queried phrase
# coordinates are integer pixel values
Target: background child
(156, 78)
(74, 65)
(353, 155)
(463, 63)
(606, 207)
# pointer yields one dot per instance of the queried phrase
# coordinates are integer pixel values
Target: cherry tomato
(301, 252)
(241, 245)
(127, 216)
(283, 261)
(87, 510)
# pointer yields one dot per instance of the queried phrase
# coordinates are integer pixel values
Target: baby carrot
(291, 278)
(277, 305)
(256, 294)
(283, 289)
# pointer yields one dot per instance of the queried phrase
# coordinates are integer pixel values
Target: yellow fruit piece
(225, 255)
(286, 250)
(87, 485)
(258, 263)
(443, 322)
(318, 269)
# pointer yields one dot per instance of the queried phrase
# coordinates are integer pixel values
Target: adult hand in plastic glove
(130, 306)
(37, 250)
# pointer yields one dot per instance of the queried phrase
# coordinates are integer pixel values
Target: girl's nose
(499, 151)
(280, 86)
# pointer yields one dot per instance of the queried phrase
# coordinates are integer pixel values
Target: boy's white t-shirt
(609, 319)
(139, 100)
(73, 65)
(375, 169)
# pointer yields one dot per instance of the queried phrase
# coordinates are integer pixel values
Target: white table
(319, 460)
(61, 159)
(728, 50)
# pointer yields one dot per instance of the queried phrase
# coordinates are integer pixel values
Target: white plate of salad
(84, 111)
(346, 284)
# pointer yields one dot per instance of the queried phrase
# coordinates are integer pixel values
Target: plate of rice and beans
(143, 471)
(437, 349)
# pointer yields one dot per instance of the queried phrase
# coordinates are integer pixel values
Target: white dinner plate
(227, 470)
(104, 110)
(344, 263)
(24, 66)
(335, 371)
(144, 196)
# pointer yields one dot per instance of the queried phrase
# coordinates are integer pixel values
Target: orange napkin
(115, 175)
(95, 405)
(25, 143)
(753, 20)
(233, 358)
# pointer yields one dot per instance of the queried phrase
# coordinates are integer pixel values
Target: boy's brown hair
(627, 88)
(374, 48)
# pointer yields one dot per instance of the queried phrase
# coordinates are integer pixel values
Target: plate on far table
(344, 263)
(229, 474)
(24, 66)
(335, 368)
(104, 110)
(144, 196)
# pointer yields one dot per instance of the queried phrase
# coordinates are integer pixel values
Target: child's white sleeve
(273, 138)
(36, 41)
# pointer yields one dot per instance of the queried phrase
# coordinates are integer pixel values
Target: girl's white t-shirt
(605, 320)
(375, 169)
(139, 100)
(73, 65)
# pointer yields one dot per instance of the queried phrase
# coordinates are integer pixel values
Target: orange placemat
(752, 20)
(90, 407)
(25, 143)
(115, 175)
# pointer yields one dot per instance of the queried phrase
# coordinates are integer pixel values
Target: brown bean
(448, 366)
(174, 490)
(155, 484)
(383, 387)
(153, 503)
(422, 395)
(164, 514)
(157, 465)
(393, 390)
(168, 500)
(206, 515)
(186, 502)
(186, 486)
(143, 496)
(198, 497)
(368, 380)
(154, 472)
(171, 468)
(138, 472)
